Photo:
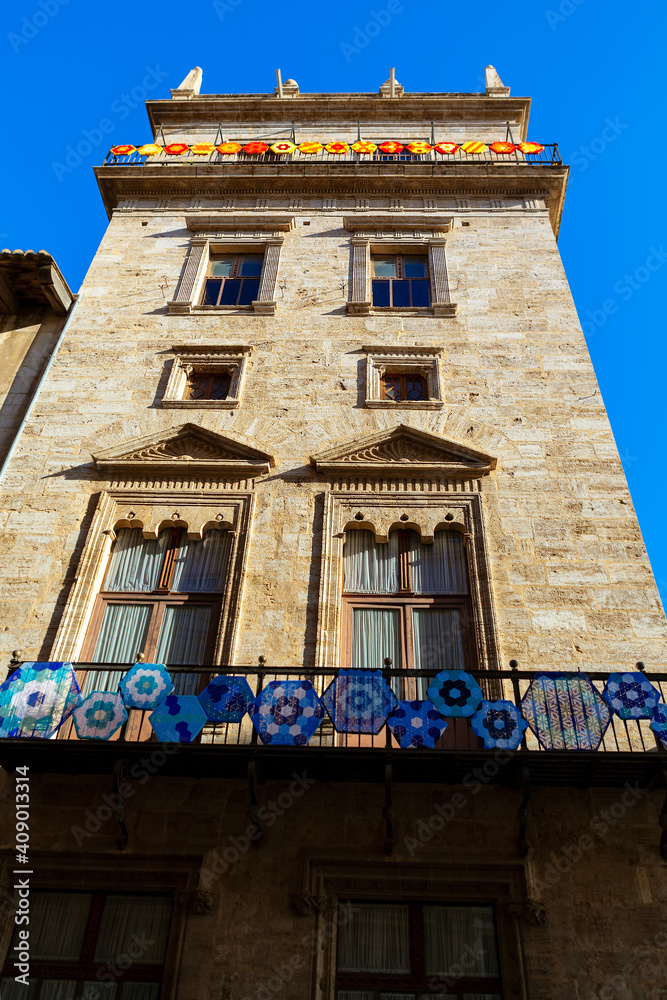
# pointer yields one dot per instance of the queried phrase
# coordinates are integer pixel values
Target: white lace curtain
(136, 562)
(376, 938)
(372, 567)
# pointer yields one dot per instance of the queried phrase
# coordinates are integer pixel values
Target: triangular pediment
(188, 446)
(405, 448)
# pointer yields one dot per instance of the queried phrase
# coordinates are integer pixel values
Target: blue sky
(592, 68)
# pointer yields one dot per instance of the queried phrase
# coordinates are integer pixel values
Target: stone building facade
(284, 419)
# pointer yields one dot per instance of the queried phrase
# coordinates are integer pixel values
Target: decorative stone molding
(197, 901)
(404, 449)
(305, 904)
(187, 450)
(424, 361)
(374, 225)
(529, 911)
(253, 222)
(230, 360)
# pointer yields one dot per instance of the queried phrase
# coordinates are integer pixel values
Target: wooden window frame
(403, 377)
(235, 275)
(400, 257)
(231, 361)
(411, 362)
(201, 374)
(417, 981)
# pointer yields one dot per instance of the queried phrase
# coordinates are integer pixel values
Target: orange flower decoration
(447, 148)
(362, 146)
(283, 147)
(419, 148)
(122, 150)
(203, 148)
(176, 148)
(229, 148)
(337, 147)
(391, 147)
(502, 147)
(474, 147)
(311, 147)
(530, 147)
(150, 149)
(255, 148)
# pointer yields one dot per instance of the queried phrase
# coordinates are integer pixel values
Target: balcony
(627, 751)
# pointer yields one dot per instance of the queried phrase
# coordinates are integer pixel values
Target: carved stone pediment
(188, 449)
(405, 449)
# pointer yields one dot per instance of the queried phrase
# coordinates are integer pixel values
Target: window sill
(405, 404)
(200, 404)
(259, 308)
(367, 309)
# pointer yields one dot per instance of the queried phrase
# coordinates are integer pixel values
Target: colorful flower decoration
(311, 147)
(99, 716)
(530, 148)
(391, 147)
(37, 698)
(145, 686)
(631, 695)
(455, 693)
(226, 699)
(203, 148)
(502, 147)
(359, 701)
(447, 148)
(499, 724)
(419, 148)
(416, 724)
(362, 146)
(565, 711)
(283, 147)
(229, 148)
(176, 148)
(149, 149)
(474, 147)
(286, 713)
(122, 150)
(659, 723)
(337, 147)
(255, 148)
(178, 719)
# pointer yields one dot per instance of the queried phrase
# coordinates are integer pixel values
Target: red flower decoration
(255, 148)
(530, 147)
(283, 147)
(337, 147)
(229, 148)
(176, 148)
(391, 147)
(122, 150)
(502, 147)
(447, 148)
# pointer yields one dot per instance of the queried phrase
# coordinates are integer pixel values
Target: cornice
(252, 222)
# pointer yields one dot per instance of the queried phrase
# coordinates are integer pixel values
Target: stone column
(266, 296)
(442, 304)
(359, 302)
(196, 262)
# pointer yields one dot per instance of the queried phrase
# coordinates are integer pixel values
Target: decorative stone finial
(493, 84)
(290, 88)
(190, 86)
(391, 87)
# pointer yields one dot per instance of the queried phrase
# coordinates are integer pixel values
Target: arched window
(407, 600)
(160, 597)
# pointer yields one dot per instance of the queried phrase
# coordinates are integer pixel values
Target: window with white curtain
(405, 951)
(74, 935)
(160, 597)
(407, 601)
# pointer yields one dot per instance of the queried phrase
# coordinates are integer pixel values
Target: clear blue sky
(586, 63)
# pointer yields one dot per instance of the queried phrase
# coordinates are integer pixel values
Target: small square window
(407, 377)
(401, 281)
(205, 385)
(399, 387)
(232, 279)
(206, 378)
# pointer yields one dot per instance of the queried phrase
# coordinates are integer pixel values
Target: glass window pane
(421, 294)
(200, 563)
(397, 996)
(122, 636)
(221, 267)
(438, 639)
(11, 990)
(400, 291)
(58, 922)
(211, 292)
(384, 267)
(441, 567)
(456, 936)
(135, 563)
(380, 293)
(96, 990)
(139, 922)
(370, 567)
(414, 388)
(415, 267)
(376, 634)
(59, 989)
(249, 291)
(251, 265)
(230, 292)
(355, 995)
(182, 642)
(220, 387)
(392, 388)
(140, 991)
(376, 938)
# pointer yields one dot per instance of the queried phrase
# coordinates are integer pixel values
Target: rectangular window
(233, 279)
(401, 281)
(412, 950)
(206, 385)
(75, 935)
(404, 387)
